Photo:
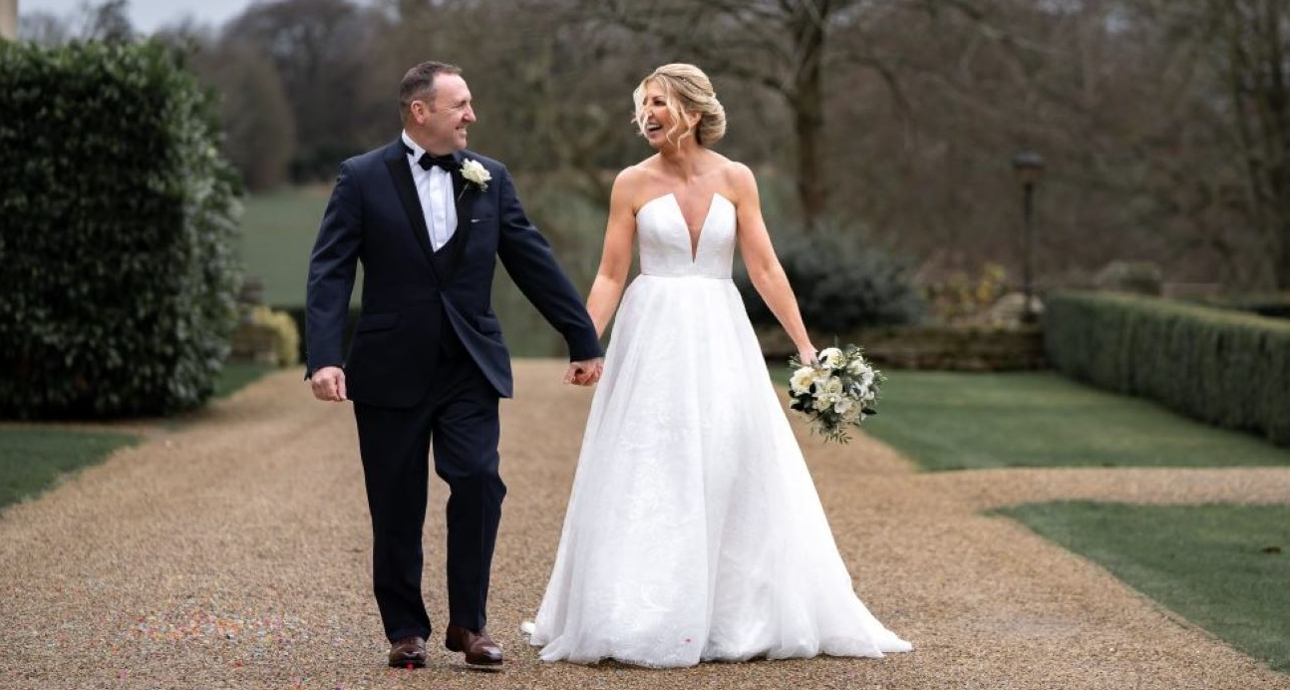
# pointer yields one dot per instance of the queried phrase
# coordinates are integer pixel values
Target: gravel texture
(233, 553)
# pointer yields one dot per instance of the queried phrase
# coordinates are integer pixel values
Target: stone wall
(932, 347)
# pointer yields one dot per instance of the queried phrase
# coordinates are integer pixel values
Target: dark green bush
(842, 282)
(1223, 367)
(1141, 277)
(117, 233)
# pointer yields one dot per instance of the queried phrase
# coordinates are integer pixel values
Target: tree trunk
(9, 20)
(1275, 34)
(807, 102)
(1253, 33)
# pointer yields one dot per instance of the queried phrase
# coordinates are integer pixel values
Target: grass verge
(237, 375)
(32, 460)
(951, 420)
(1223, 567)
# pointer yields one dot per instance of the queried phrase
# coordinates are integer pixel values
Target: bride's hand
(807, 355)
(585, 373)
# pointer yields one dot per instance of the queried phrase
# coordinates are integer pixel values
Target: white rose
(822, 376)
(831, 357)
(858, 366)
(476, 173)
(844, 406)
(802, 379)
(833, 387)
(822, 403)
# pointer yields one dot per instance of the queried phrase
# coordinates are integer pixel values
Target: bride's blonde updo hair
(687, 89)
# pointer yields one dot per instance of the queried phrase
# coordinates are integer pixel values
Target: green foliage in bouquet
(837, 392)
(117, 233)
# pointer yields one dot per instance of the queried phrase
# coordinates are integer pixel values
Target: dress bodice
(664, 239)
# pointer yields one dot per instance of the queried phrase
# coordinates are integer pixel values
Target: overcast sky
(149, 15)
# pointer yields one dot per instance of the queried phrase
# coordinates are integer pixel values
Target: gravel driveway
(233, 553)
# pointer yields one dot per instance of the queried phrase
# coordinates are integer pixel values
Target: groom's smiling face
(444, 117)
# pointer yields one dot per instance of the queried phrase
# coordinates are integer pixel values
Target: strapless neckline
(696, 242)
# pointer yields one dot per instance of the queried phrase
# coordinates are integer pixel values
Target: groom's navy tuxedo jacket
(413, 298)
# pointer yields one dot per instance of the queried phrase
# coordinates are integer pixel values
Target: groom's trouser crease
(460, 417)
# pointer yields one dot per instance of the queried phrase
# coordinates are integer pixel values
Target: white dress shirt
(434, 189)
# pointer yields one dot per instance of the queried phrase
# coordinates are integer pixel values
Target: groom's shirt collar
(434, 190)
(415, 151)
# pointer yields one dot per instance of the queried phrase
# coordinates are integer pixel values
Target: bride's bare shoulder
(634, 182)
(739, 180)
(634, 175)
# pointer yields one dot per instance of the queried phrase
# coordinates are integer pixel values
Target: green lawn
(32, 460)
(237, 375)
(278, 232)
(950, 420)
(1225, 568)
(279, 228)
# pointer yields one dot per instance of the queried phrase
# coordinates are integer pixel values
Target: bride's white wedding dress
(694, 531)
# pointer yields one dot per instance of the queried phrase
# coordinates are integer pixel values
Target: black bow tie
(427, 161)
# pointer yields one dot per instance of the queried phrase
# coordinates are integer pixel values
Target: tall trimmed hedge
(1218, 366)
(117, 233)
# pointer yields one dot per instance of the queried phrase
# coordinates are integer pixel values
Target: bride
(693, 532)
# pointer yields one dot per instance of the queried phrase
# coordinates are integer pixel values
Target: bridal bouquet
(837, 392)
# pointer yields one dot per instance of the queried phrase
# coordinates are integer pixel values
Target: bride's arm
(616, 258)
(763, 266)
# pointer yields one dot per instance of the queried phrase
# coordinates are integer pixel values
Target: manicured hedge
(1218, 366)
(117, 233)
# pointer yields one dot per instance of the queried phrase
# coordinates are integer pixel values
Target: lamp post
(1029, 168)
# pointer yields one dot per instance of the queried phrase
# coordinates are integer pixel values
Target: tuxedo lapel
(463, 194)
(396, 160)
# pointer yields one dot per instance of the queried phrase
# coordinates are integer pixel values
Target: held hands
(328, 384)
(585, 373)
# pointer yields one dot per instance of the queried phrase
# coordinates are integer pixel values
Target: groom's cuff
(581, 351)
(309, 371)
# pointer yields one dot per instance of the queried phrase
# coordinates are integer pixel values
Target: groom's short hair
(418, 83)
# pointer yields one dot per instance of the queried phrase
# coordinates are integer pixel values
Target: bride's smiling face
(662, 123)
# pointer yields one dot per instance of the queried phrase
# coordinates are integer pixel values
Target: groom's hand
(329, 384)
(584, 373)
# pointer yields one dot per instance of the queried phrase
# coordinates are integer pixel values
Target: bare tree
(108, 22)
(1255, 36)
(320, 51)
(777, 45)
(789, 48)
(1246, 45)
(260, 135)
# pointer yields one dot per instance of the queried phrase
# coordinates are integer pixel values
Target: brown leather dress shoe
(481, 651)
(408, 651)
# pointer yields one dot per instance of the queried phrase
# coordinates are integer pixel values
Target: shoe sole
(487, 666)
(410, 662)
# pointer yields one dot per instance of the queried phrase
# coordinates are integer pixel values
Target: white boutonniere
(475, 173)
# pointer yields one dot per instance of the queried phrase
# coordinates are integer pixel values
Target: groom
(427, 365)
